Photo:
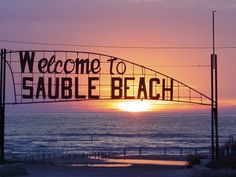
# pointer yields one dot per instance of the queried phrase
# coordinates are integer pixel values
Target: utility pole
(214, 97)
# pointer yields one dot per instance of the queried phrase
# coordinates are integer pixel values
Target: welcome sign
(72, 71)
(42, 76)
(54, 76)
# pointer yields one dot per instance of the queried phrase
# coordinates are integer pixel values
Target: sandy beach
(114, 167)
(148, 166)
(38, 170)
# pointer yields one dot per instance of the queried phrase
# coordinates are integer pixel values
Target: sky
(145, 23)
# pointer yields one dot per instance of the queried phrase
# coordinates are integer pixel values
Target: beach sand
(136, 167)
(38, 170)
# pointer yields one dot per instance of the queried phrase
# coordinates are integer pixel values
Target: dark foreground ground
(133, 171)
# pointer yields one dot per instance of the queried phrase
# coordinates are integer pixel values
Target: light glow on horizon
(134, 106)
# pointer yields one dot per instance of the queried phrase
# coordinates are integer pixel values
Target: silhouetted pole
(2, 102)
(214, 97)
(212, 114)
(216, 94)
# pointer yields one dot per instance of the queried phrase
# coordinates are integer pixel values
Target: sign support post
(2, 102)
(214, 98)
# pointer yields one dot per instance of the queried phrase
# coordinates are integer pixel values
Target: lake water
(60, 133)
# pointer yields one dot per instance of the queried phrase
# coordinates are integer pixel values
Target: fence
(99, 153)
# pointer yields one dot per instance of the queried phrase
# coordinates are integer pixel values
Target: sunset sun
(134, 106)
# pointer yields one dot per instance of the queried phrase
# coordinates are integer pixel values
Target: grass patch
(227, 156)
(223, 163)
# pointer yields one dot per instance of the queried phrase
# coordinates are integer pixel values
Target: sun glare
(134, 106)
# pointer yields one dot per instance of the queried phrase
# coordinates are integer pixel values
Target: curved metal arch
(102, 99)
(13, 80)
(109, 56)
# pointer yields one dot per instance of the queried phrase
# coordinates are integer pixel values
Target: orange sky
(132, 23)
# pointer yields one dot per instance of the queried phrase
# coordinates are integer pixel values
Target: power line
(114, 46)
(178, 65)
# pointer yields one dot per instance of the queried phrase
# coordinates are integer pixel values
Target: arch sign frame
(49, 76)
